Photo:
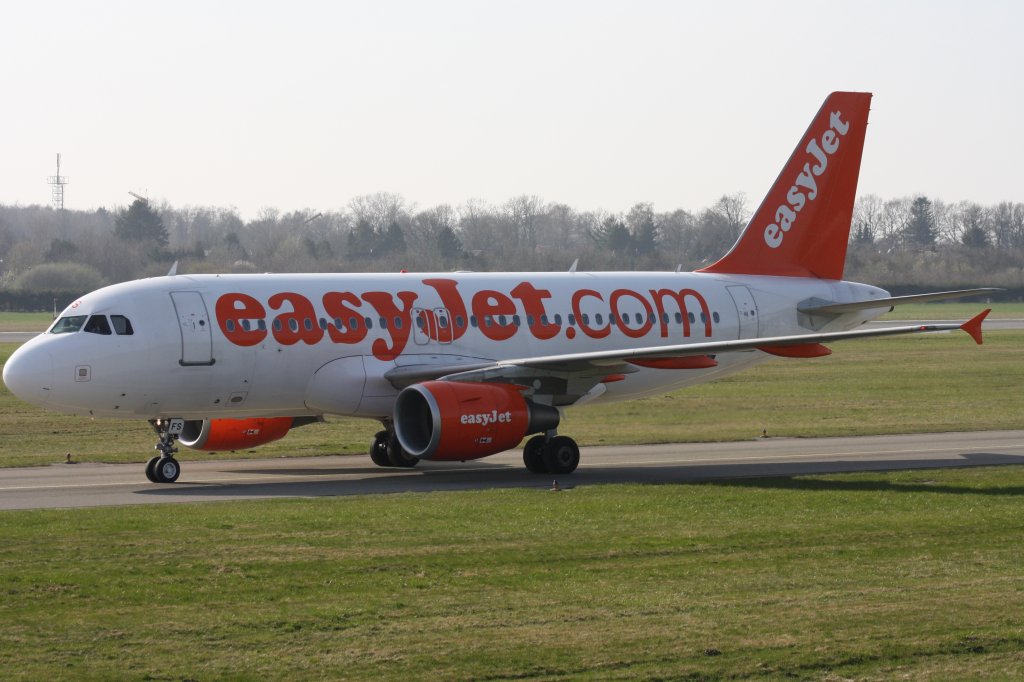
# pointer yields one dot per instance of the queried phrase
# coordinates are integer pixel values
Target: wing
(569, 376)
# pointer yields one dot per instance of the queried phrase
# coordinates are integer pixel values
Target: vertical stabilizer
(802, 227)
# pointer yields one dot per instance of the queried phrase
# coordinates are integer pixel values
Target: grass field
(955, 311)
(912, 575)
(940, 382)
(25, 322)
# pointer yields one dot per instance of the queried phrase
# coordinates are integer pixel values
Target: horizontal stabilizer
(839, 308)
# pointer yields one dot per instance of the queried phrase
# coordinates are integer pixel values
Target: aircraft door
(194, 324)
(746, 310)
(433, 325)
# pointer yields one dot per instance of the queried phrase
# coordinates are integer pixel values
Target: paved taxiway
(86, 485)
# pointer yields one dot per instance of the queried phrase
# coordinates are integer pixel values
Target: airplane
(459, 366)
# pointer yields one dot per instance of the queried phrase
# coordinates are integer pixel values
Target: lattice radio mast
(57, 183)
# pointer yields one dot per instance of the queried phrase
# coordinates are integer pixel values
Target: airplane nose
(28, 374)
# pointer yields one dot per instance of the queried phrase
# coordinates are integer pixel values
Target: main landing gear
(164, 468)
(386, 451)
(549, 454)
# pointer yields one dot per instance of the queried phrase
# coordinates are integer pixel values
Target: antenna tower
(57, 183)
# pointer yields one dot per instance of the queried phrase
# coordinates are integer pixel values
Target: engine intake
(451, 420)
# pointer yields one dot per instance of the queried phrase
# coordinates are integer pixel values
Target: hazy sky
(298, 105)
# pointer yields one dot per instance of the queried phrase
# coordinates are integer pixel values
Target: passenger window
(230, 326)
(398, 323)
(679, 318)
(420, 322)
(353, 322)
(692, 318)
(703, 318)
(558, 319)
(460, 322)
(262, 324)
(515, 320)
(529, 321)
(472, 321)
(599, 319)
(369, 322)
(293, 324)
(122, 327)
(442, 322)
(714, 316)
(277, 324)
(244, 323)
(68, 325)
(97, 324)
(383, 323)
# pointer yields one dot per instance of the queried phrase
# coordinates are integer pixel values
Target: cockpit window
(122, 327)
(68, 325)
(97, 324)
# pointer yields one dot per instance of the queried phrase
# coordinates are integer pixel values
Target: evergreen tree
(362, 240)
(920, 230)
(449, 244)
(614, 236)
(975, 237)
(392, 240)
(141, 224)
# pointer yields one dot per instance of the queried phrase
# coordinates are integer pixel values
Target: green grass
(25, 322)
(865, 576)
(955, 311)
(940, 382)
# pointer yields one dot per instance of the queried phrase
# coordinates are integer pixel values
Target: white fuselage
(224, 346)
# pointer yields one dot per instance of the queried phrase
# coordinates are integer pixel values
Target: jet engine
(233, 434)
(451, 420)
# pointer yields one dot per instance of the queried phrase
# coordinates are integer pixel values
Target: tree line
(904, 241)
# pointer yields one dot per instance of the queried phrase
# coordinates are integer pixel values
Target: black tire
(398, 456)
(561, 455)
(151, 469)
(379, 449)
(167, 470)
(533, 455)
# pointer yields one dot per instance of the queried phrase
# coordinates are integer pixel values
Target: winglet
(973, 325)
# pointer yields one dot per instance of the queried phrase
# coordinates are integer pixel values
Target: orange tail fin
(802, 227)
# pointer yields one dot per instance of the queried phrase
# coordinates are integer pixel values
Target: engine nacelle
(451, 420)
(233, 434)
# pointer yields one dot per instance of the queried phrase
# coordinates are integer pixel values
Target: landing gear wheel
(379, 449)
(166, 470)
(533, 455)
(398, 456)
(151, 469)
(561, 455)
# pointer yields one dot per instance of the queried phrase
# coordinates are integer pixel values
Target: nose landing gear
(164, 468)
